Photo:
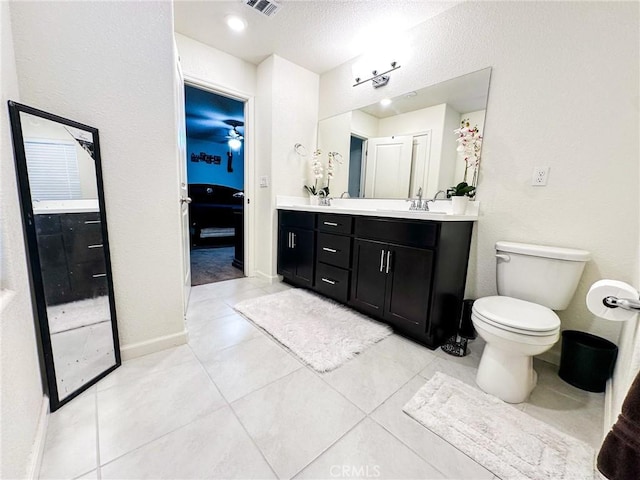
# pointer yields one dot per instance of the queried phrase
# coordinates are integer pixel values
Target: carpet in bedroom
(210, 265)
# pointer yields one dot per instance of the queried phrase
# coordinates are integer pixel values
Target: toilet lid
(516, 314)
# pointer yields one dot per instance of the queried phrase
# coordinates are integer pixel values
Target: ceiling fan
(234, 137)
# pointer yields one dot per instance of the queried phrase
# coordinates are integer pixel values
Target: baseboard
(154, 345)
(35, 461)
(268, 278)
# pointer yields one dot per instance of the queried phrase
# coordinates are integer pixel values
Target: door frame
(249, 161)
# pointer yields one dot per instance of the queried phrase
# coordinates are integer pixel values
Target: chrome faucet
(435, 197)
(345, 195)
(419, 204)
(325, 201)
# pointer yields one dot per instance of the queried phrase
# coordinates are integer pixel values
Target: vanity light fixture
(385, 102)
(379, 79)
(234, 144)
(235, 23)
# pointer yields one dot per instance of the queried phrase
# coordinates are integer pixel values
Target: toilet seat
(515, 315)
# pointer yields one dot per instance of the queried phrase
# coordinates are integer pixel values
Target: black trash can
(587, 361)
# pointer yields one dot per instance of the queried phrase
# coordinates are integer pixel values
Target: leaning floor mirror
(65, 226)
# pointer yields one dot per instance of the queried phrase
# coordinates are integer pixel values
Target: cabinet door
(408, 287)
(303, 246)
(286, 253)
(369, 277)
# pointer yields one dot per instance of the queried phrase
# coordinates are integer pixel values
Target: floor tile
(409, 354)
(436, 451)
(237, 297)
(462, 368)
(295, 419)
(578, 419)
(134, 369)
(250, 365)
(92, 475)
(202, 312)
(213, 446)
(277, 287)
(548, 377)
(369, 379)
(369, 451)
(70, 446)
(221, 333)
(132, 414)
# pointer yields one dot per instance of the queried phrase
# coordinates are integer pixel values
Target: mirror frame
(33, 257)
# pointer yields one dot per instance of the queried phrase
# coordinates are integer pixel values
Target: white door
(420, 167)
(388, 167)
(182, 178)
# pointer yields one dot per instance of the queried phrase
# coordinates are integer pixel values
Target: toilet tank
(540, 274)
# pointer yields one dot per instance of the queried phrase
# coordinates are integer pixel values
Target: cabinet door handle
(293, 240)
(381, 260)
(326, 280)
(289, 239)
(330, 250)
(331, 224)
(98, 275)
(97, 245)
(388, 258)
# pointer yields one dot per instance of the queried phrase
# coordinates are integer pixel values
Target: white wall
(558, 97)
(110, 65)
(291, 110)
(21, 395)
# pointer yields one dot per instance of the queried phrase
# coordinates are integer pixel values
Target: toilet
(519, 322)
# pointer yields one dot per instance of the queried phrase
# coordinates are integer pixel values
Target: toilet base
(506, 375)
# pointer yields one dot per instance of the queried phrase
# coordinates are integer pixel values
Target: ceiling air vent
(266, 7)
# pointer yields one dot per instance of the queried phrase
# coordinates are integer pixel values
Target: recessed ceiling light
(235, 23)
(385, 102)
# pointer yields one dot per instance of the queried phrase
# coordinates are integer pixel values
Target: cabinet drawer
(334, 250)
(410, 233)
(289, 218)
(335, 223)
(332, 282)
(88, 280)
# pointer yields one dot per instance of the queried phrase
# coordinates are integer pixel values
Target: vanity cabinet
(296, 242)
(71, 256)
(408, 273)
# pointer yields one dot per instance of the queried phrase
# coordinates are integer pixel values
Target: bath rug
(321, 332)
(501, 438)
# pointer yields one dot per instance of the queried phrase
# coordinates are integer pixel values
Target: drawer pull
(330, 250)
(331, 224)
(326, 280)
(90, 222)
(99, 275)
(97, 245)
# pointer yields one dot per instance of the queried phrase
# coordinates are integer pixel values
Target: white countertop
(46, 207)
(439, 210)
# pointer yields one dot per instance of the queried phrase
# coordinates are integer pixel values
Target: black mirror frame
(33, 256)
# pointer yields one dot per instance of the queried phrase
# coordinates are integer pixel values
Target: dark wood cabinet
(71, 256)
(408, 273)
(296, 247)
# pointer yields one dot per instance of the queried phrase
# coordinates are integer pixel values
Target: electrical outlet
(264, 182)
(540, 176)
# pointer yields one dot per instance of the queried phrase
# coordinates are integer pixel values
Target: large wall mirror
(60, 182)
(395, 147)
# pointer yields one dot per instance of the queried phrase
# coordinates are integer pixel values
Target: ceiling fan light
(234, 144)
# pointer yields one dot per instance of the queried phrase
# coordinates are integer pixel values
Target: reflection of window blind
(53, 170)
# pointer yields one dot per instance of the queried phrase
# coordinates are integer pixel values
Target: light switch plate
(264, 181)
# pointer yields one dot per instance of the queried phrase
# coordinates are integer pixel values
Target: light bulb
(234, 144)
(235, 23)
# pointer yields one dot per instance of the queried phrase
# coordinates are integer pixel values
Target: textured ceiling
(317, 35)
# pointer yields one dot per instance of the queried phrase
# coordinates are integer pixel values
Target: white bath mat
(506, 441)
(323, 333)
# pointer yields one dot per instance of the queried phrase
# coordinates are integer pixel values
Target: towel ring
(300, 150)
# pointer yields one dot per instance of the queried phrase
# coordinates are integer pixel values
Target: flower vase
(459, 205)
(314, 200)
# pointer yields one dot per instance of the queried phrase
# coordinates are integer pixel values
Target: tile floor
(233, 403)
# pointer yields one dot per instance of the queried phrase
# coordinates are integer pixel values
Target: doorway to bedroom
(215, 177)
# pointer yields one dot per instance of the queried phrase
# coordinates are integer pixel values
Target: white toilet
(519, 322)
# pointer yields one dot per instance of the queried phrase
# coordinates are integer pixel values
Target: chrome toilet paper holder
(624, 303)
